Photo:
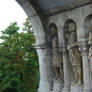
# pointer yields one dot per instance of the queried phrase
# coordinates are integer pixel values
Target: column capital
(63, 48)
(40, 46)
(83, 47)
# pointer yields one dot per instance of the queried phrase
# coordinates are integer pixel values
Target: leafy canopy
(18, 59)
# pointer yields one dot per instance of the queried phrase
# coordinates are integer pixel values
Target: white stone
(57, 86)
(76, 89)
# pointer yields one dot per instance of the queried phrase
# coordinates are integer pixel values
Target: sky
(11, 11)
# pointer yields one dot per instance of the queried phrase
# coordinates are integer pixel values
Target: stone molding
(40, 46)
(63, 48)
(83, 47)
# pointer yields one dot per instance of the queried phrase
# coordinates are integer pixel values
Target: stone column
(45, 68)
(86, 67)
(66, 69)
(63, 49)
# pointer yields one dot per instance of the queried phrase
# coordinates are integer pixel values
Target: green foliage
(18, 59)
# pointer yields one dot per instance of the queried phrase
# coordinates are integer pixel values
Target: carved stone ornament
(63, 48)
(74, 56)
(57, 56)
(90, 41)
(72, 27)
(83, 47)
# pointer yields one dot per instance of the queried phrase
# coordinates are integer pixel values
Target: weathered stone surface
(57, 86)
(77, 89)
(80, 15)
(50, 7)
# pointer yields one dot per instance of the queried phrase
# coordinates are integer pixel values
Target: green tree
(18, 59)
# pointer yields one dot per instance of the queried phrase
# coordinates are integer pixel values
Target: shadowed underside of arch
(50, 7)
(38, 10)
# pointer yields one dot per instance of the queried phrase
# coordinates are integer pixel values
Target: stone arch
(50, 33)
(35, 20)
(70, 32)
(87, 26)
(67, 22)
(53, 25)
(57, 59)
(43, 51)
(66, 27)
(88, 38)
(66, 34)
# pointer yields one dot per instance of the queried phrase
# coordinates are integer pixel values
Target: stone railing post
(45, 68)
(66, 68)
(86, 67)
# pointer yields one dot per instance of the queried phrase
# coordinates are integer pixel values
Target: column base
(76, 89)
(38, 90)
(44, 86)
(57, 87)
(87, 90)
(66, 89)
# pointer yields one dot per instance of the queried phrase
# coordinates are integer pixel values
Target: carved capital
(63, 48)
(83, 47)
(40, 46)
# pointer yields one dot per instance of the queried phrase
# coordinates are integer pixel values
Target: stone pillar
(45, 68)
(63, 49)
(66, 69)
(86, 67)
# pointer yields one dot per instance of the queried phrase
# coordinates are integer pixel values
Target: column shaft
(46, 71)
(66, 71)
(86, 73)
(86, 69)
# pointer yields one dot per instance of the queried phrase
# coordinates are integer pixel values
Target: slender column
(86, 67)
(63, 49)
(45, 67)
(66, 69)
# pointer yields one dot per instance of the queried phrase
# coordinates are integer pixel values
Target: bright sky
(10, 11)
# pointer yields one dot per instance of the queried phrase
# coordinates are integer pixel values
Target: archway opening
(17, 74)
(88, 37)
(75, 59)
(57, 59)
(87, 26)
(66, 28)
